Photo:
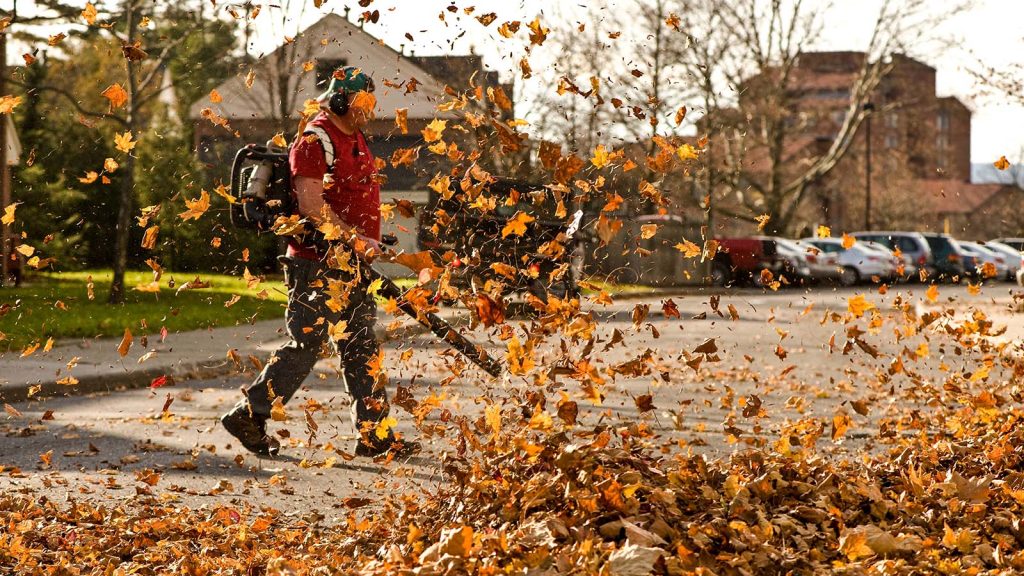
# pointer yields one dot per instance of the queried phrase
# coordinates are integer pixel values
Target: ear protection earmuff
(339, 103)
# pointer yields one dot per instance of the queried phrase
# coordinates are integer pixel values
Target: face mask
(365, 102)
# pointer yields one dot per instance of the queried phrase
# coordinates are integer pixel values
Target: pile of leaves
(949, 501)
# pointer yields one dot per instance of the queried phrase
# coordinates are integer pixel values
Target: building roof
(332, 37)
(955, 196)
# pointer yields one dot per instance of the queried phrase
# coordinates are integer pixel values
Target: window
(892, 141)
(325, 70)
(943, 121)
(907, 245)
(942, 141)
(942, 163)
(839, 116)
(892, 120)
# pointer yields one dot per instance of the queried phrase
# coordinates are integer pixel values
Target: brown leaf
(126, 343)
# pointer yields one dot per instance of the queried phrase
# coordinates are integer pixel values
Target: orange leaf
(116, 95)
(126, 343)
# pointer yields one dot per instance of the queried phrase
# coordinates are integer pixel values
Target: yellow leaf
(441, 185)
(49, 345)
(848, 241)
(89, 13)
(89, 177)
(402, 119)
(933, 293)
(222, 191)
(126, 343)
(374, 287)
(520, 358)
(689, 249)
(149, 238)
(197, 207)
(8, 103)
(517, 225)
(215, 97)
(116, 95)
(648, 231)
(824, 232)
(686, 152)
(433, 131)
(762, 221)
(25, 250)
(277, 410)
(1002, 163)
(855, 545)
(123, 142)
(384, 427)
(601, 156)
(858, 305)
(151, 287)
(110, 165)
(840, 424)
(279, 140)
(310, 108)
(492, 415)
(338, 331)
(30, 350)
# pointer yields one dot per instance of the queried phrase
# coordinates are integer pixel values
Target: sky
(989, 32)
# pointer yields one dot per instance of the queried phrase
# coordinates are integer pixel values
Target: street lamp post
(869, 108)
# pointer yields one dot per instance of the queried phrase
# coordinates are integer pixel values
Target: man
(327, 293)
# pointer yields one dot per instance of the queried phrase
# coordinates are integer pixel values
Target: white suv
(913, 246)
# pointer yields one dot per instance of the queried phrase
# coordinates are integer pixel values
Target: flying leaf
(600, 159)
(123, 142)
(824, 232)
(648, 231)
(116, 95)
(8, 103)
(402, 119)
(215, 97)
(89, 177)
(762, 221)
(126, 343)
(848, 241)
(149, 238)
(384, 427)
(434, 130)
(197, 207)
(517, 225)
(89, 14)
(1002, 163)
(686, 152)
(689, 249)
(932, 293)
(858, 305)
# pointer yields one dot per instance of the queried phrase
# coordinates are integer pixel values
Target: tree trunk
(123, 231)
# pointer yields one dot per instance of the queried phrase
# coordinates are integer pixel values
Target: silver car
(912, 246)
(1014, 257)
(984, 258)
(859, 262)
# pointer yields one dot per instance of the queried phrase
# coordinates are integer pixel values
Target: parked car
(912, 246)
(857, 263)
(453, 231)
(983, 259)
(823, 266)
(1014, 257)
(947, 256)
(741, 260)
(896, 261)
(1017, 243)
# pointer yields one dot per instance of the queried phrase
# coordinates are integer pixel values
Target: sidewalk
(88, 366)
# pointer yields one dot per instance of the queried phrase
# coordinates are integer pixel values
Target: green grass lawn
(33, 311)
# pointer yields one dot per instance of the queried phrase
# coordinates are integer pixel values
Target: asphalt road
(781, 376)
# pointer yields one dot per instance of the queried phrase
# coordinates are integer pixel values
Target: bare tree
(748, 77)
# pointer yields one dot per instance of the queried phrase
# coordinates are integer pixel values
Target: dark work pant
(307, 320)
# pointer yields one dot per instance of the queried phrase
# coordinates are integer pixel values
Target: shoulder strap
(325, 142)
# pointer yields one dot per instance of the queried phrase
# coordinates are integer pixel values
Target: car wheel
(719, 274)
(849, 276)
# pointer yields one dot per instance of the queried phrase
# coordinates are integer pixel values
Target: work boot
(250, 430)
(393, 448)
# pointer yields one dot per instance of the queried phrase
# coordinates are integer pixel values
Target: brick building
(920, 152)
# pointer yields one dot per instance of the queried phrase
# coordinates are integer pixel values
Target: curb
(182, 370)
